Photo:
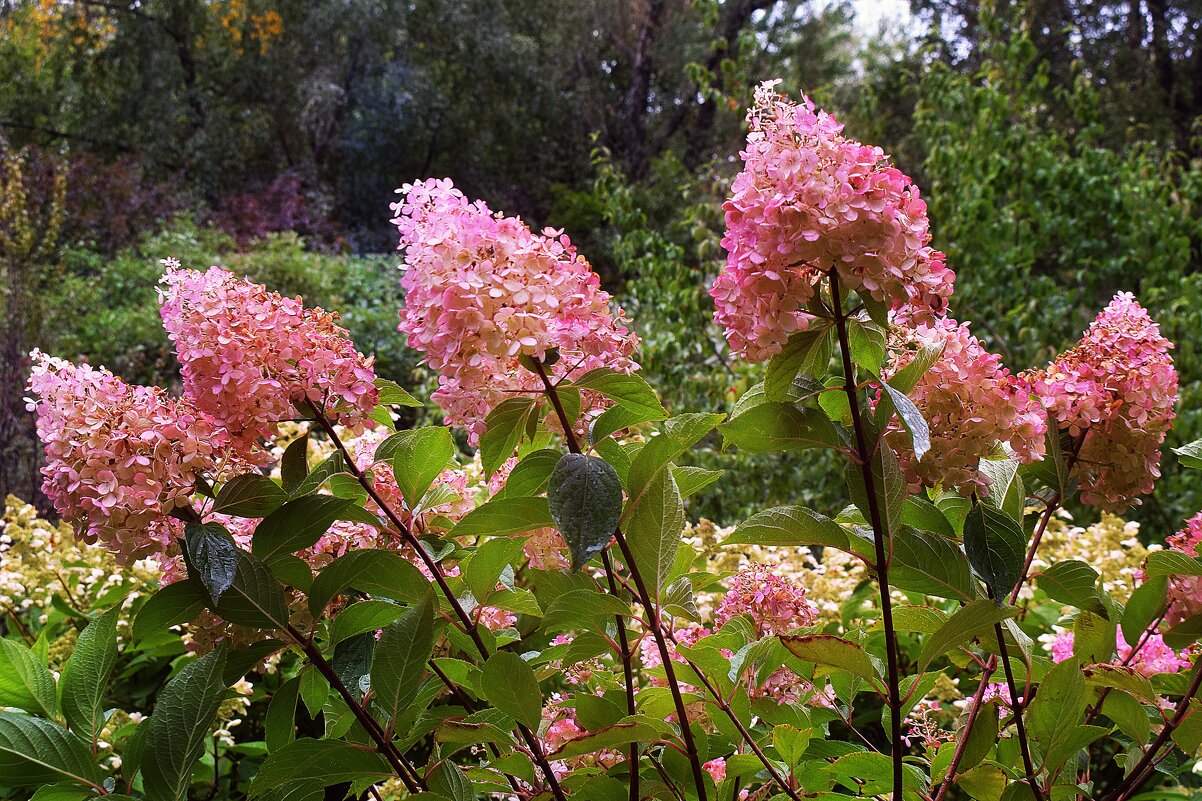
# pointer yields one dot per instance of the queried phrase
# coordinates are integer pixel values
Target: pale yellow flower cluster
(1111, 546)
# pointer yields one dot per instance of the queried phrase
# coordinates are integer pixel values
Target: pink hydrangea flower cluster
(971, 403)
(249, 356)
(1185, 592)
(776, 604)
(481, 290)
(560, 727)
(810, 200)
(119, 458)
(1117, 389)
(1153, 657)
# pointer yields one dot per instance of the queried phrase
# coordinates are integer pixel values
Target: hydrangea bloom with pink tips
(1153, 656)
(1185, 592)
(810, 200)
(1117, 389)
(776, 604)
(119, 458)
(482, 289)
(249, 356)
(971, 403)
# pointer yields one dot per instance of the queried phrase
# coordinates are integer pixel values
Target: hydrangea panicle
(971, 403)
(482, 290)
(249, 356)
(119, 458)
(1115, 392)
(1185, 592)
(810, 200)
(775, 604)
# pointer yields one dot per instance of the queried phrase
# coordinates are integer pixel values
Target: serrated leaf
(921, 514)
(691, 480)
(771, 427)
(628, 390)
(448, 781)
(1145, 605)
(417, 457)
(509, 684)
(1190, 455)
(996, 547)
(912, 419)
(35, 752)
(585, 500)
(502, 517)
(352, 661)
(249, 495)
(1072, 582)
(363, 616)
(867, 344)
(179, 727)
(391, 394)
(505, 427)
(25, 683)
(1172, 563)
(629, 730)
(382, 573)
(890, 485)
(908, 377)
(174, 604)
(653, 525)
(834, 652)
(294, 466)
(212, 557)
(254, 597)
(531, 475)
(796, 525)
(807, 352)
(279, 724)
(319, 763)
(86, 674)
(400, 659)
(296, 525)
(975, 619)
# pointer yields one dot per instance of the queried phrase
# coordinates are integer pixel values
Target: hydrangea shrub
(538, 620)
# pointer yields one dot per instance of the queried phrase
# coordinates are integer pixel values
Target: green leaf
(983, 783)
(254, 597)
(629, 391)
(834, 652)
(891, 490)
(1185, 633)
(319, 763)
(279, 724)
(352, 661)
(363, 616)
(294, 466)
(1190, 455)
(483, 568)
(1172, 563)
(1059, 705)
(448, 781)
(331, 466)
(314, 689)
(911, 418)
(691, 480)
(981, 738)
(919, 513)
(791, 743)
(381, 573)
(1129, 715)
(807, 352)
(633, 729)
(249, 495)
(418, 457)
(391, 394)
(583, 609)
(585, 500)
(975, 619)
(502, 517)
(212, 557)
(996, 547)
(35, 752)
(908, 377)
(296, 525)
(504, 429)
(179, 727)
(867, 344)
(86, 674)
(1093, 638)
(653, 525)
(531, 475)
(25, 683)
(1073, 582)
(1145, 605)
(796, 525)
(677, 436)
(174, 604)
(401, 655)
(509, 684)
(771, 427)
(63, 792)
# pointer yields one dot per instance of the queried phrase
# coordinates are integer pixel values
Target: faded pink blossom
(716, 768)
(481, 290)
(776, 604)
(119, 458)
(971, 403)
(249, 357)
(1185, 592)
(1116, 389)
(810, 200)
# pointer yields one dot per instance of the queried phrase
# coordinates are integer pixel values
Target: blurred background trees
(1057, 142)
